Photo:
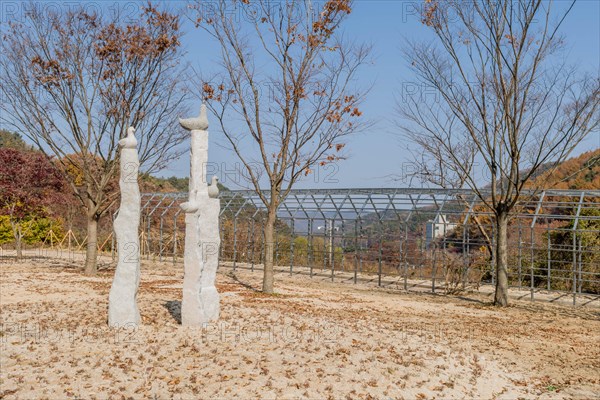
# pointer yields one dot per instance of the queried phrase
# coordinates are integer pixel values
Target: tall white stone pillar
(122, 299)
(210, 241)
(200, 302)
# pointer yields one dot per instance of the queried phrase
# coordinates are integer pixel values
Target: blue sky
(378, 154)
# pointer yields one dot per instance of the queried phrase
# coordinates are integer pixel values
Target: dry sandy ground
(314, 339)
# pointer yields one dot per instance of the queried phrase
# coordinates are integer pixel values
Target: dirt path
(313, 339)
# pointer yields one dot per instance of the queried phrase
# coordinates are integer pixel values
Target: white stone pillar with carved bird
(201, 302)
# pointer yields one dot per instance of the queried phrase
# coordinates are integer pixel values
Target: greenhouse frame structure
(554, 237)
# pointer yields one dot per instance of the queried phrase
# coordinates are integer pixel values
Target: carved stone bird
(200, 123)
(190, 206)
(129, 142)
(213, 188)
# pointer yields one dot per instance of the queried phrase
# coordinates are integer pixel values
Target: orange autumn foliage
(577, 173)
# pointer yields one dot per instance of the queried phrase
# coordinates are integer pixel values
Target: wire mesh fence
(431, 239)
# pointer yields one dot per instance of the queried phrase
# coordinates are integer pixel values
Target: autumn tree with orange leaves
(73, 82)
(285, 98)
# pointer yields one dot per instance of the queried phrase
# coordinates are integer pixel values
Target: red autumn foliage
(29, 183)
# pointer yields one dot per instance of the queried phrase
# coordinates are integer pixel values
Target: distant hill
(148, 183)
(577, 173)
(13, 140)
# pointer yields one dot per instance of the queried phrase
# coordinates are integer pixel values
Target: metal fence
(426, 239)
(441, 239)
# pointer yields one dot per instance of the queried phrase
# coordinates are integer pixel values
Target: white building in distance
(437, 228)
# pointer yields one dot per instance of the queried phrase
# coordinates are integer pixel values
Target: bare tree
(506, 103)
(286, 97)
(73, 82)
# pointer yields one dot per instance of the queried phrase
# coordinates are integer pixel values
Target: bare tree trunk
(269, 247)
(19, 244)
(18, 236)
(92, 245)
(501, 295)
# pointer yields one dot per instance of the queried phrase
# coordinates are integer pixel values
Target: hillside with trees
(578, 173)
(12, 140)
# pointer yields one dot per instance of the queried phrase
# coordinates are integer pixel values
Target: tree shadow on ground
(472, 300)
(237, 280)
